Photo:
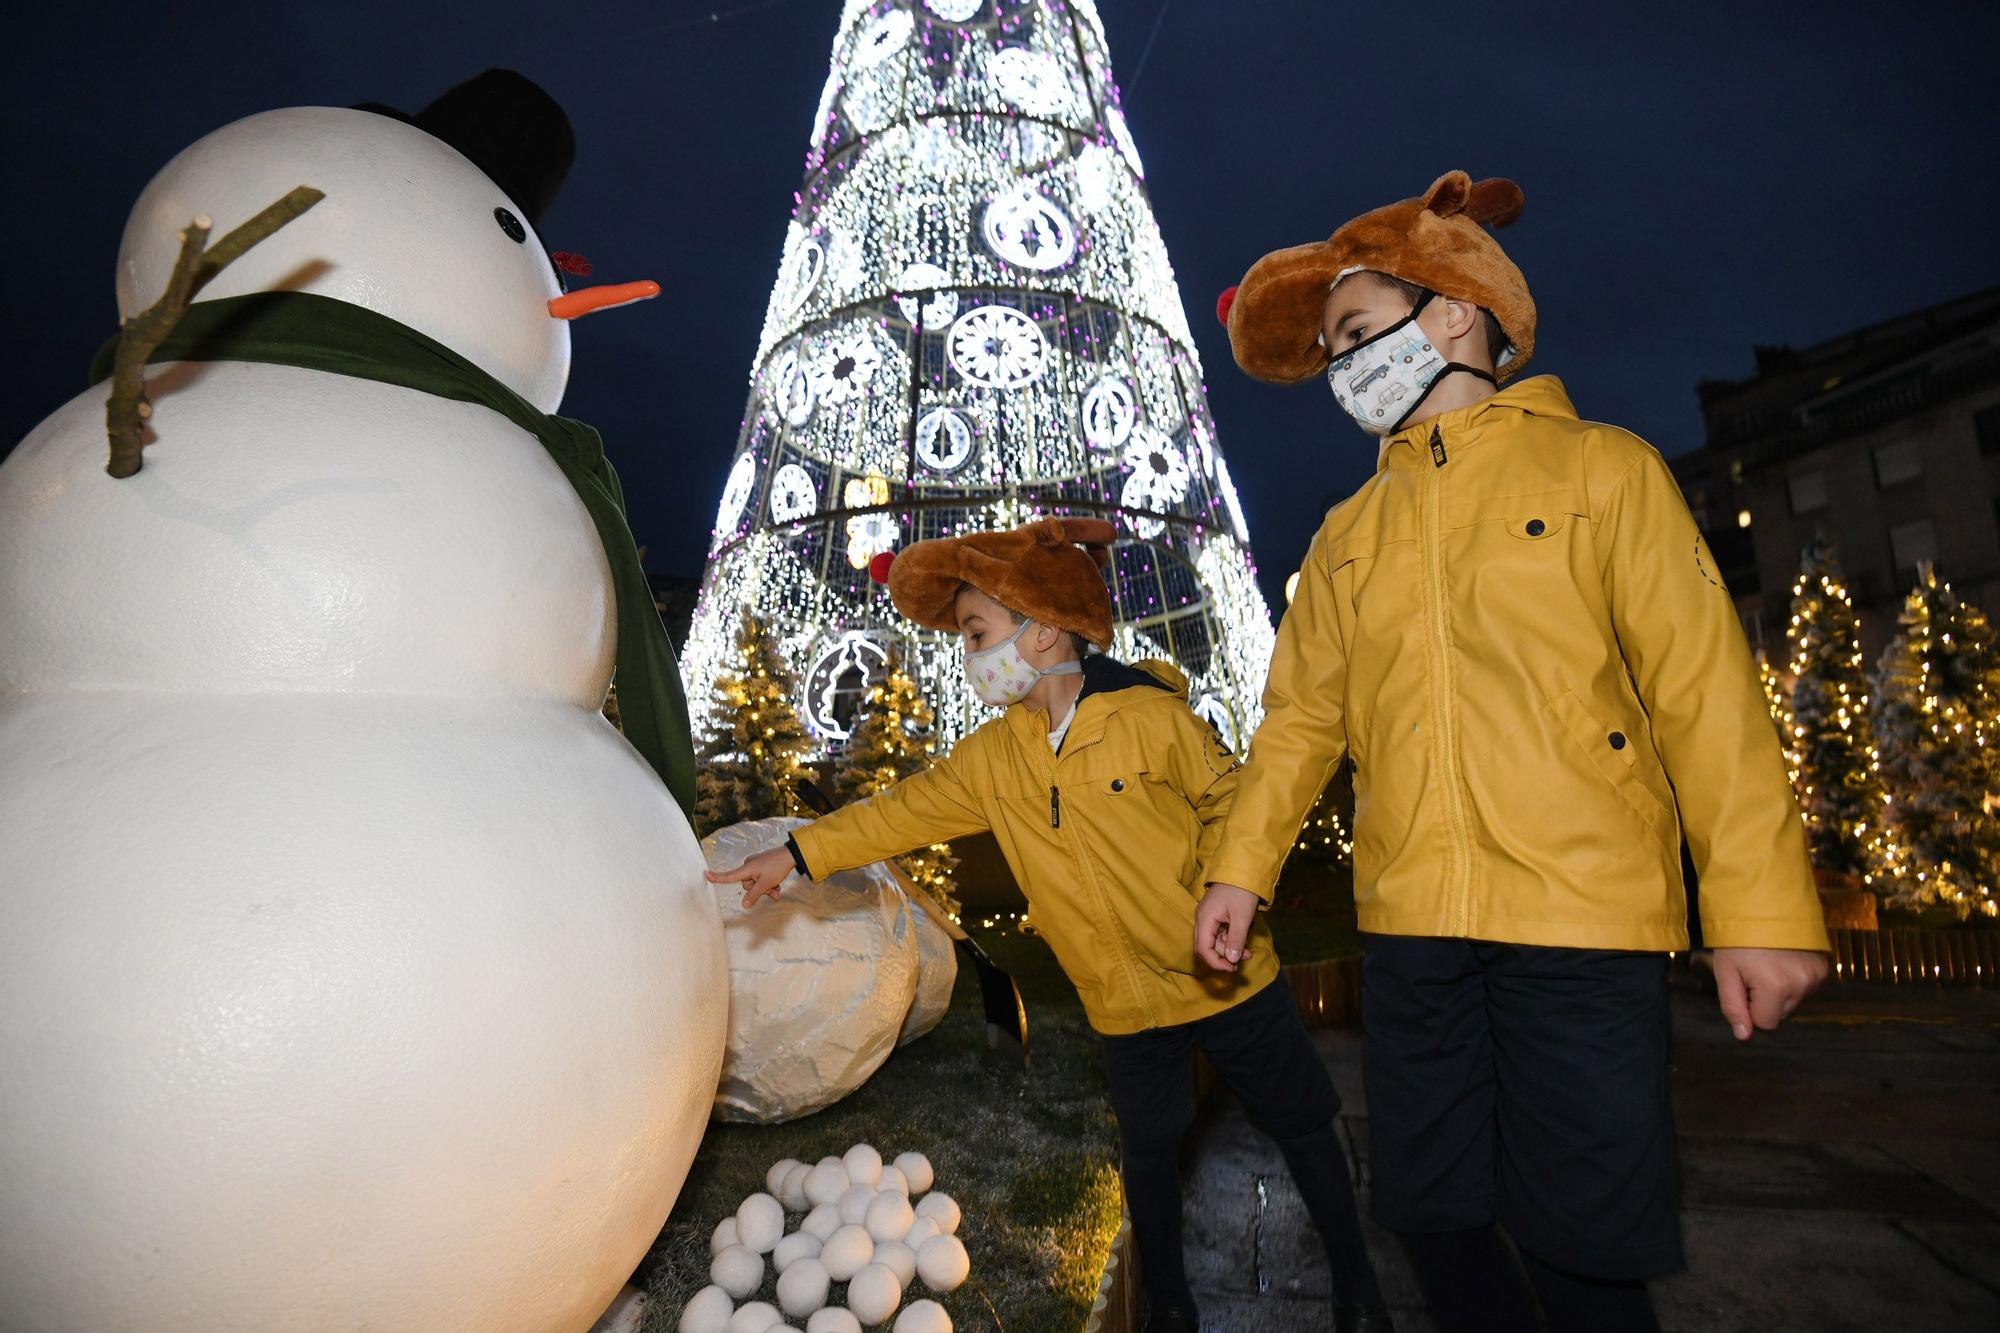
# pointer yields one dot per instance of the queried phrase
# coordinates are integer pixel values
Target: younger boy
(1517, 633)
(1106, 792)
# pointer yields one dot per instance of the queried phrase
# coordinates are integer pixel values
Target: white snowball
(943, 1263)
(831, 1160)
(822, 1221)
(941, 1209)
(802, 1287)
(737, 1271)
(792, 1189)
(874, 1294)
(898, 1258)
(826, 1182)
(923, 1317)
(892, 1179)
(756, 1317)
(916, 1168)
(708, 1312)
(854, 1201)
(864, 1165)
(774, 1179)
(920, 1231)
(723, 1236)
(833, 1319)
(888, 1217)
(760, 1223)
(799, 1245)
(847, 1252)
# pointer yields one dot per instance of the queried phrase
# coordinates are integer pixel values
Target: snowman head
(409, 228)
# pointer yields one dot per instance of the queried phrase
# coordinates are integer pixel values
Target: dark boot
(1173, 1319)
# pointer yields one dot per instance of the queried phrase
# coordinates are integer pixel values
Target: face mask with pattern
(1001, 676)
(1380, 381)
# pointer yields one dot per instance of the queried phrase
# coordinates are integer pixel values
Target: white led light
(802, 273)
(736, 493)
(791, 388)
(841, 674)
(793, 495)
(954, 11)
(1121, 134)
(1229, 500)
(998, 347)
(1025, 228)
(887, 34)
(823, 116)
(1096, 175)
(1034, 81)
(940, 309)
(944, 441)
(1108, 413)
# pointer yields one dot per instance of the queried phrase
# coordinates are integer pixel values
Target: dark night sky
(1700, 179)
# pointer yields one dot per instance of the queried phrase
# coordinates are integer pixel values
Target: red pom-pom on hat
(1222, 304)
(878, 568)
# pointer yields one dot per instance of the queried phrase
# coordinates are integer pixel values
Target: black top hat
(509, 128)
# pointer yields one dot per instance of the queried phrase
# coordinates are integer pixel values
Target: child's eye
(1356, 334)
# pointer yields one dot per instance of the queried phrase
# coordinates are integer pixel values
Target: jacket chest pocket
(1534, 517)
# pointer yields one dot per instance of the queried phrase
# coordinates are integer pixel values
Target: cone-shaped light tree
(974, 323)
(1937, 725)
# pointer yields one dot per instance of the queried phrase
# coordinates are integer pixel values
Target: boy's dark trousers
(1261, 1050)
(1522, 1089)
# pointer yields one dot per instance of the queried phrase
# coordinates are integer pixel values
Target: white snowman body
(354, 972)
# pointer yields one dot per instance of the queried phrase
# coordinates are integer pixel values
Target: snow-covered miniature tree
(1937, 726)
(974, 323)
(894, 739)
(756, 747)
(1831, 747)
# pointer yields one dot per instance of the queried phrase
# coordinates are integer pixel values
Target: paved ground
(1843, 1174)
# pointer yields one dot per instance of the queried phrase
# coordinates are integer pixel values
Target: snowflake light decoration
(842, 370)
(791, 388)
(940, 308)
(887, 34)
(736, 492)
(1026, 228)
(1109, 411)
(998, 347)
(868, 535)
(954, 11)
(1160, 474)
(944, 441)
(793, 495)
(843, 671)
(1032, 80)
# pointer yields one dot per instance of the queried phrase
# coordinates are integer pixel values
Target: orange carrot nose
(602, 297)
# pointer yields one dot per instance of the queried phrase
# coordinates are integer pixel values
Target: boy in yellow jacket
(1106, 794)
(1515, 630)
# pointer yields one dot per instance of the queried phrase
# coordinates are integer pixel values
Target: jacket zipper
(1055, 808)
(1104, 905)
(1460, 880)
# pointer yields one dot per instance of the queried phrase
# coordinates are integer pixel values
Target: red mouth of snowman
(604, 296)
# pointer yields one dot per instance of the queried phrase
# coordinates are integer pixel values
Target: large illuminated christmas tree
(974, 323)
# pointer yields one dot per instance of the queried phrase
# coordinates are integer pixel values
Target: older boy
(1105, 793)
(1515, 630)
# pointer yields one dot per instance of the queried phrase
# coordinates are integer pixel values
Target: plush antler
(1494, 201)
(128, 409)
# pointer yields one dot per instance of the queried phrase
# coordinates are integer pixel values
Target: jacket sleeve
(1302, 737)
(1691, 664)
(1207, 774)
(927, 807)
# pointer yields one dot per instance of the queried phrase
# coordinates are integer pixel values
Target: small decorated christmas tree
(1325, 835)
(895, 739)
(1831, 748)
(1937, 724)
(756, 747)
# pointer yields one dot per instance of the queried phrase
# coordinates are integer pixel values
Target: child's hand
(1222, 925)
(760, 875)
(1763, 986)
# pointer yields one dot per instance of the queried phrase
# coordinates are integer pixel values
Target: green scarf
(319, 333)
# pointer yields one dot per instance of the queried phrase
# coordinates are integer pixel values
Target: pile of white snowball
(856, 1225)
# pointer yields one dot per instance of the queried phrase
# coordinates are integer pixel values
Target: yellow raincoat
(1516, 629)
(1106, 839)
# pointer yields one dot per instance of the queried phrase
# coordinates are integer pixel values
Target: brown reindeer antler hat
(1051, 571)
(1436, 241)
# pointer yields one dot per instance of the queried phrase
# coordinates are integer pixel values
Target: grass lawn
(1030, 1155)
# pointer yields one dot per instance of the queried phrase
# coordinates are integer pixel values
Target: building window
(1910, 544)
(1896, 464)
(1808, 492)
(1986, 425)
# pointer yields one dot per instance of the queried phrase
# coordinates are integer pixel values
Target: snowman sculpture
(354, 972)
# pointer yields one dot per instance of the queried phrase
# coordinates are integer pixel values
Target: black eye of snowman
(511, 225)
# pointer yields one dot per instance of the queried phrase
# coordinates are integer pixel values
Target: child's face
(982, 622)
(1357, 309)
